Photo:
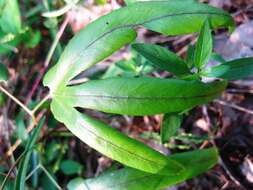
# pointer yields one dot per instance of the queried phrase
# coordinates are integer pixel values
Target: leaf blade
(112, 143)
(163, 58)
(196, 162)
(232, 70)
(204, 46)
(171, 123)
(10, 19)
(140, 96)
(91, 45)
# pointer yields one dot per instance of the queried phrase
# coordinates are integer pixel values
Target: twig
(234, 106)
(27, 110)
(48, 58)
(19, 141)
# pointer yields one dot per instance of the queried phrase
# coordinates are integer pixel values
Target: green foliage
(24, 164)
(139, 96)
(231, 70)
(70, 167)
(163, 58)
(132, 94)
(204, 46)
(190, 56)
(109, 33)
(135, 96)
(4, 74)
(171, 123)
(195, 163)
(112, 143)
(10, 19)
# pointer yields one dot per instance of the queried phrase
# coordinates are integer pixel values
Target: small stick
(27, 110)
(248, 111)
(19, 141)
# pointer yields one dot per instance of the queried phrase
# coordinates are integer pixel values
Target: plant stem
(40, 104)
(50, 177)
(48, 58)
(27, 110)
(32, 172)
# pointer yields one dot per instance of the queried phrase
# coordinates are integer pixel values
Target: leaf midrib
(137, 97)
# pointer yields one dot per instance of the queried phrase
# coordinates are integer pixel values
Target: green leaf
(171, 123)
(4, 74)
(140, 96)
(24, 164)
(128, 2)
(70, 167)
(163, 58)
(204, 46)
(190, 56)
(112, 143)
(232, 70)
(109, 33)
(195, 162)
(217, 57)
(10, 19)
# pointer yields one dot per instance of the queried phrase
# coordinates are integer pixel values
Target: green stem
(50, 177)
(40, 104)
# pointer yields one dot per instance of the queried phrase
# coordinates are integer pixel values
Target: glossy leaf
(195, 162)
(109, 33)
(170, 125)
(112, 143)
(140, 96)
(10, 19)
(24, 164)
(4, 74)
(232, 70)
(204, 46)
(163, 58)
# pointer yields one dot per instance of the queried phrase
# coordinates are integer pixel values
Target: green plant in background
(145, 168)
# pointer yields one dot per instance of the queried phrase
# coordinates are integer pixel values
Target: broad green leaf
(24, 164)
(204, 46)
(112, 143)
(4, 74)
(10, 19)
(163, 58)
(170, 125)
(195, 162)
(109, 33)
(231, 70)
(140, 96)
